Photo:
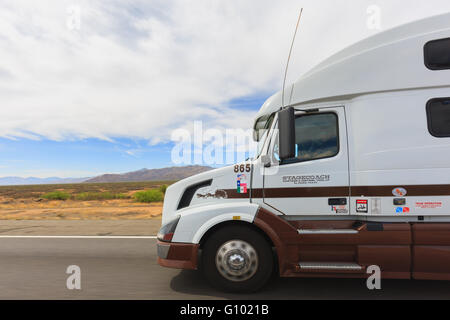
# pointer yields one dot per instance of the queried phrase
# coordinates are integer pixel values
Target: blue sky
(94, 86)
(80, 158)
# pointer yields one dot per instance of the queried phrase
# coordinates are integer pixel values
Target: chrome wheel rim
(236, 260)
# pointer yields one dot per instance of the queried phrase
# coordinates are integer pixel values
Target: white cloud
(144, 68)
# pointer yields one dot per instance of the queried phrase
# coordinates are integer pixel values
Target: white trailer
(354, 171)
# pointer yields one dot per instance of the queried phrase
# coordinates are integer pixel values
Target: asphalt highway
(126, 268)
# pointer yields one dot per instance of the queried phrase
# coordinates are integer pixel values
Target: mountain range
(163, 174)
(171, 173)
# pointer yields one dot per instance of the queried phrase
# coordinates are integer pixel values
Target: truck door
(316, 181)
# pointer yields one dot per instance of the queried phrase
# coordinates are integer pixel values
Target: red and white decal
(429, 204)
(361, 205)
(339, 209)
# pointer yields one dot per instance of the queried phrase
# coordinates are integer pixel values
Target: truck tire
(237, 259)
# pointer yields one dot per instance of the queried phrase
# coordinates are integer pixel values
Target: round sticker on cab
(399, 192)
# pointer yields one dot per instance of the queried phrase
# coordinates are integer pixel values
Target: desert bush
(87, 196)
(152, 195)
(163, 188)
(56, 195)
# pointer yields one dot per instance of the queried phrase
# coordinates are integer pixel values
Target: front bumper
(177, 255)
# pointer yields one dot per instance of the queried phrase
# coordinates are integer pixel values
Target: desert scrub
(56, 195)
(87, 196)
(152, 195)
(163, 188)
(36, 191)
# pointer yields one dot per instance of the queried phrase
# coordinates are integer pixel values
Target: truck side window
(316, 137)
(437, 54)
(438, 114)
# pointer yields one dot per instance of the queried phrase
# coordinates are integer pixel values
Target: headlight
(166, 232)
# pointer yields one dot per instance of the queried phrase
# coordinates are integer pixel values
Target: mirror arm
(265, 160)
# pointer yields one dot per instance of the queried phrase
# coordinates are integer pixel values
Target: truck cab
(352, 172)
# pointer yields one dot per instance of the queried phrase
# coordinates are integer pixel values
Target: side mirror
(286, 133)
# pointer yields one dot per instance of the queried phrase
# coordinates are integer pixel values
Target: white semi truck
(354, 171)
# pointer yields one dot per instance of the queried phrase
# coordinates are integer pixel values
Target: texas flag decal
(241, 183)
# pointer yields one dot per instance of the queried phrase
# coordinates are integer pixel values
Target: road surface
(126, 268)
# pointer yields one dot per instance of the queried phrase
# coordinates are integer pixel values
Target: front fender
(196, 221)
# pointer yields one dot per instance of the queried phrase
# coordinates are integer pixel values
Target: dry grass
(27, 202)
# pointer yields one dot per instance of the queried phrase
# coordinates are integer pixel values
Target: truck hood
(223, 185)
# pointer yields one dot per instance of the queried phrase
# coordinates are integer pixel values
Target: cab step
(329, 267)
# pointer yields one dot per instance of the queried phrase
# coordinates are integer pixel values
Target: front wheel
(237, 259)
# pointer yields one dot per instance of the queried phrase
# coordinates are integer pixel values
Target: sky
(92, 87)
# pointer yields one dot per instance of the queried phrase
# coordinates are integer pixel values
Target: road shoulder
(144, 227)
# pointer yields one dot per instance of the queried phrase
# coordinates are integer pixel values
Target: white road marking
(83, 237)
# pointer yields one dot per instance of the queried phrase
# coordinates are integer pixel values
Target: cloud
(140, 69)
